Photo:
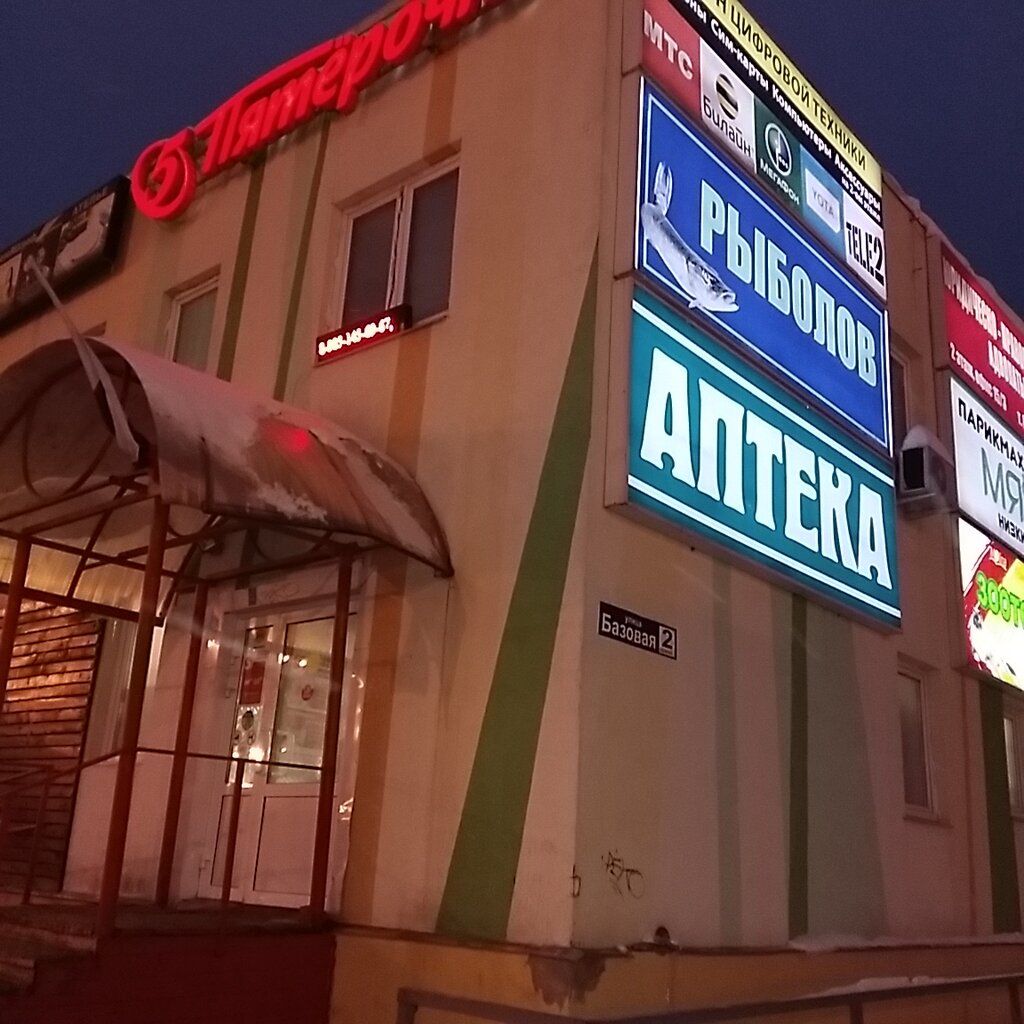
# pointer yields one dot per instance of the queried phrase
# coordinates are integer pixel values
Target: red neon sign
(361, 335)
(330, 76)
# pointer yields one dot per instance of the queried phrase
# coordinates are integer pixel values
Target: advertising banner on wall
(730, 257)
(992, 579)
(989, 468)
(719, 449)
(72, 247)
(985, 348)
(714, 61)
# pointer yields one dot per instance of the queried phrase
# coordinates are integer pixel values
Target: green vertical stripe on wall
(798, 792)
(782, 632)
(240, 275)
(845, 887)
(301, 258)
(481, 877)
(1002, 850)
(730, 889)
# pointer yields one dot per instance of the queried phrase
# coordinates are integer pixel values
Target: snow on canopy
(210, 448)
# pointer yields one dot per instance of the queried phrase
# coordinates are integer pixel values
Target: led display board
(989, 468)
(361, 335)
(719, 449)
(985, 348)
(73, 247)
(714, 61)
(725, 253)
(992, 579)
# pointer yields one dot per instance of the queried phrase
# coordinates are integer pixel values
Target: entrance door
(279, 717)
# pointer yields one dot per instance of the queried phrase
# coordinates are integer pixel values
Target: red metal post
(121, 806)
(5, 823)
(332, 726)
(229, 852)
(180, 762)
(8, 637)
(30, 878)
(12, 613)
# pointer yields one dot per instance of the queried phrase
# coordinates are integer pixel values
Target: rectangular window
(400, 252)
(302, 692)
(916, 783)
(371, 250)
(1013, 764)
(110, 690)
(191, 325)
(900, 410)
(428, 273)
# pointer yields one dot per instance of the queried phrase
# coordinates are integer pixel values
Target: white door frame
(299, 597)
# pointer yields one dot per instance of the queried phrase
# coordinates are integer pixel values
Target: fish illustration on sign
(698, 280)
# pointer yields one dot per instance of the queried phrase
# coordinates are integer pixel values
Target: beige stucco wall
(678, 769)
(613, 984)
(466, 403)
(685, 766)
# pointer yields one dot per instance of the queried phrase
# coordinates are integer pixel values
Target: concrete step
(19, 957)
(57, 930)
(13, 988)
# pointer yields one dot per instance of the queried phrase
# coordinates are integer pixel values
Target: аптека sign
(720, 450)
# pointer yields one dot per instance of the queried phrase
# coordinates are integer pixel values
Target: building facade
(697, 717)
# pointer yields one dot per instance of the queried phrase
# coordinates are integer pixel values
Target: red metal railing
(854, 1002)
(153, 572)
(45, 777)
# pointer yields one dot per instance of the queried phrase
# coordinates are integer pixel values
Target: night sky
(935, 89)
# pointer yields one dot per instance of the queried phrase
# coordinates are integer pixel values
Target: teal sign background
(706, 430)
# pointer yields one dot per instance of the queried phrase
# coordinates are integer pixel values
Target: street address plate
(637, 630)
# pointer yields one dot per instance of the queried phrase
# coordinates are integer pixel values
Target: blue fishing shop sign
(724, 252)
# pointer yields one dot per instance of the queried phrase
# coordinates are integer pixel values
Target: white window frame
(181, 298)
(929, 812)
(1014, 718)
(904, 362)
(402, 194)
(110, 689)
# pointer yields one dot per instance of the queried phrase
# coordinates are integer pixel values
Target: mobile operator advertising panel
(727, 256)
(729, 76)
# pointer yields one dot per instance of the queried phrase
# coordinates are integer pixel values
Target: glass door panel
(301, 711)
(280, 673)
(252, 702)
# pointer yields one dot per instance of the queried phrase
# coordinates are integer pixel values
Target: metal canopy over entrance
(125, 479)
(224, 460)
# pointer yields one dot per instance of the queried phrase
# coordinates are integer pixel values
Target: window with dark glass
(371, 254)
(900, 414)
(400, 252)
(428, 274)
(1013, 776)
(192, 325)
(916, 782)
